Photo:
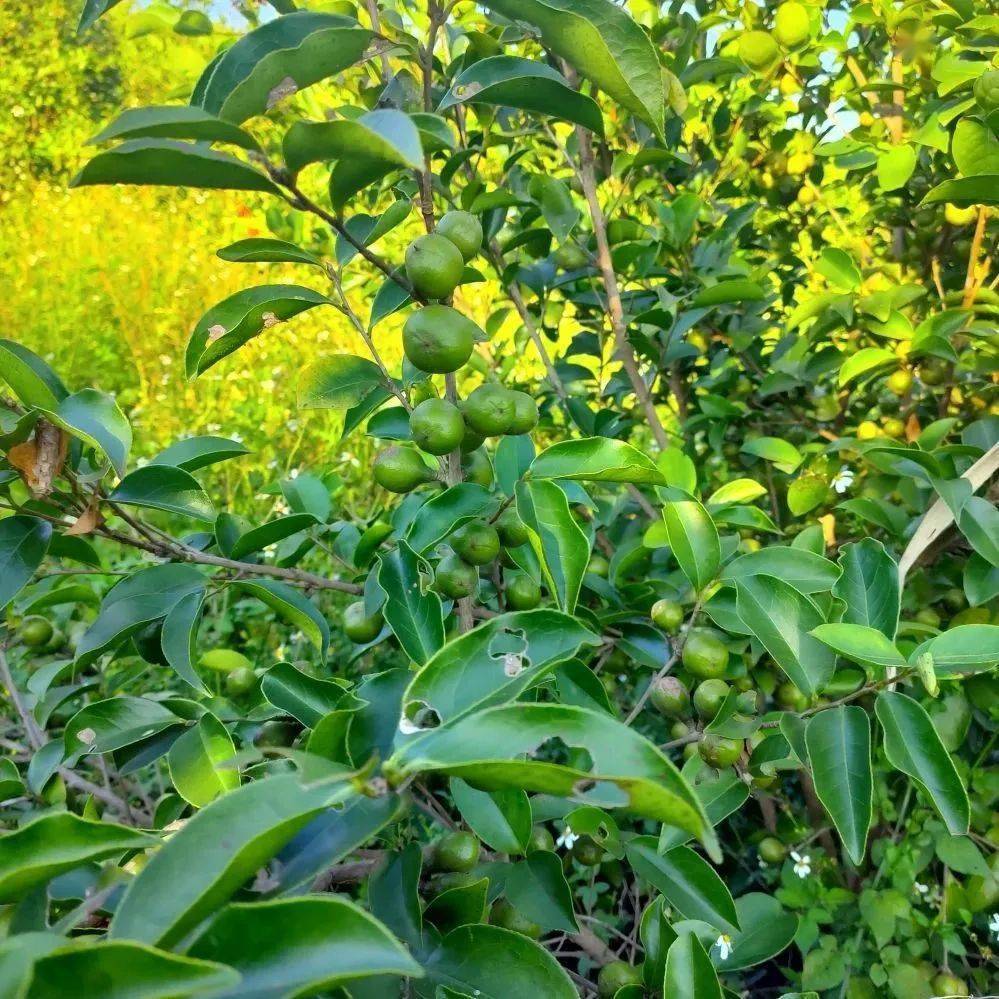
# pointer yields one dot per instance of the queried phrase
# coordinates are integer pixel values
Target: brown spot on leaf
(215, 332)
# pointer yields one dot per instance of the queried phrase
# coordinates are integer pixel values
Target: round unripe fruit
(240, 681)
(788, 696)
(805, 196)
(771, 850)
(476, 542)
(522, 593)
(934, 372)
(667, 614)
(587, 851)
(477, 469)
(893, 427)
(927, 615)
(718, 752)
(437, 426)
(464, 230)
(704, 656)
(438, 339)
(359, 626)
(946, 984)
(457, 851)
(615, 976)
(670, 696)
(792, 25)
(471, 441)
(489, 410)
(541, 839)
(434, 265)
(960, 216)
(224, 660)
(899, 382)
(598, 566)
(399, 469)
(758, 50)
(512, 530)
(986, 90)
(971, 615)
(570, 257)
(678, 730)
(868, 430)
(276, 734)
(456, 579)
(709, 696)
(504, 915)
(525, 414)
(35, 631)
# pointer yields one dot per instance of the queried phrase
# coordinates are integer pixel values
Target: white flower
(843, 480)
(567, 838)
(994, 924)
(920, 888)
(802, 865)
(724, 946)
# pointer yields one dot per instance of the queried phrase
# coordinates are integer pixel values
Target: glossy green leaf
(913, 746)
(604, 44)
(869, 586)
(174, 121)
(368, 229)
(483, 749)
(979, 190)
(689, 883)
(689, 971)
(125, 970)
(537, 888)
(446, 512)
(92, 10)
(202, 762)
(237, 319)
(493, 963)
(767, 929)
(29, 377)
(413, 611)
(58, 842)
(865, 362)
(966, 649)
(975, 148)
(507, 81)
(458, 906)
(693, 538)
(839, 268)
(501, 819)
(258, 538)
(23, 544)
(115, 723)
(596, 459)
(839, 749)
(737, 491)
(862, 644)
(267, 250)
(163, 487)
(203, 864)
(291, 605)
(782, 453)
(169, 163)
(727, 293)
(193, 453)
(333, 942)
(337, 381)
(178, 638)
(384, 138)
(494, 662)
(555, 201)
(782, 619)
(556, 538)
(276, 60)
(804, 570)
(95, 419)
(895, 166)
(307, 698)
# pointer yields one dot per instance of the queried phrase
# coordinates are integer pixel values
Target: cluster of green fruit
(438, 340)
(240, 677)
(761, 50)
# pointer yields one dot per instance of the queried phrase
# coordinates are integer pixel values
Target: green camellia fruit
(35, 631)
(541, 839)
(899, 382)
(986, 91)
(788, 696)
(456, 579)
(276, 734)
(792, 25)
(437, 426)
(359, 626)
(709, 696)
(718, 752)
(970, 615)
(670, 696)
(476, 542)
(704, 655)
(522, 593)
(758, 50)
(946, 984)
(771, 850)
(503, 914)
(477, 468)
(570, 257)
(224, 660)
(587, 851)
(598, 566)
(434, 264)
(667, 614)
(399, 469)
(464, 230)
(438, 339)
(489, 409)
(456, 851)
(240, 681)
(512, 530)
(615, 976)
(525, 414)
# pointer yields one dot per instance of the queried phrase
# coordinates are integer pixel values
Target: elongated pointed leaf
(58, 842)
(163, 487)
(307, 698)
(337, 381)
(962, 651)
(386, 138)
(174, 121)
(23, 544)
(692, 536)
(863, 645)
(258, 538)
(266, 250)
(804, 570)
(202, 762)
(979, 190)
(507, 81)
(869, 587)
(501, 819)
(782, 619)
(767, 929)
(115, 723)
(446, 512)
(689, 971)
(839, 750)
(94, 418)
(596, 459)
(913, 746)
(193, 453)
(413, 611)
(203, 864)
(92, 10)
(276, 60)
(537, 888)
(178, 638)
(295, 608)
(29, 377)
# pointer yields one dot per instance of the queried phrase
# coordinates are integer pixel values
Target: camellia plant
(668, 672)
